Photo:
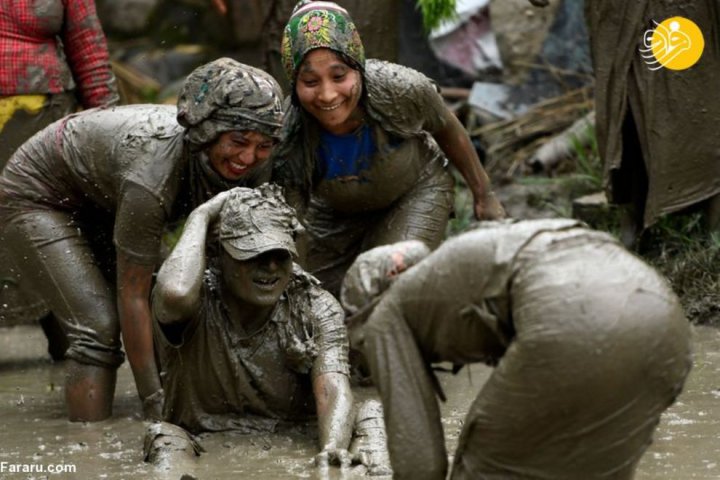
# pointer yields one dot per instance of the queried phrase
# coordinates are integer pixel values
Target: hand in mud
(489, 208)
(540, 3)
(375, 463)
(333, 456)
(153, 406)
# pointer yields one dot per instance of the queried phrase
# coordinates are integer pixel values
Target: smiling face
(329, 90)
(258, 281)
(237, 153)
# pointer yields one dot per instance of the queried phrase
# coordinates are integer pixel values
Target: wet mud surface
(33, 429)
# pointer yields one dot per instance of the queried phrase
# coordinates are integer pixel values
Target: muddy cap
(316, 24)
(253, 221)
(375, 270)
(226, 95)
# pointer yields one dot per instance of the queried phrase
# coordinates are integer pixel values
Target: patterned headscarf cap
(318, 24)
(226, 95)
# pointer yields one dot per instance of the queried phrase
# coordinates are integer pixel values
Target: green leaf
(435, 11)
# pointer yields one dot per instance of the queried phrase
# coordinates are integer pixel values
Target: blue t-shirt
(343, 156)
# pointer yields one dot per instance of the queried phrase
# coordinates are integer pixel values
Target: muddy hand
(333, 456)
(376, 463)
(489, 208)
(153, 405)
(213, 206)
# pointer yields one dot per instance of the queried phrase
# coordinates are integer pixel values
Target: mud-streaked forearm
(334, 401)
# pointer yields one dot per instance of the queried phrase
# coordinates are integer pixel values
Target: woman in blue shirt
(365, 146)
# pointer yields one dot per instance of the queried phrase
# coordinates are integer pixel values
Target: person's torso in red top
(51, 46)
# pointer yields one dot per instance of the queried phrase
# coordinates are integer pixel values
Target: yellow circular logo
(677, 43)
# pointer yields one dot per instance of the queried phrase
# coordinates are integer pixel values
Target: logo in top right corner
(676, 43)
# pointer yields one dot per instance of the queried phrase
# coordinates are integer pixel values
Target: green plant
(689, 256)
(435, 11)
(588, 164)
(463, 210)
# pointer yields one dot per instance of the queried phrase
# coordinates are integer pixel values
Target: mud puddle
(34, 432)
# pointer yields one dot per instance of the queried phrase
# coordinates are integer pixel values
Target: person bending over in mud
(246, 338)
(365, 146)
(123, 173)
(590, 346)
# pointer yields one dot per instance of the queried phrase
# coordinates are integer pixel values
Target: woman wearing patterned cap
(89, 195)
(364, 147)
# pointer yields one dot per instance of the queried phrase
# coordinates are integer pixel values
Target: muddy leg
(61, 268)
(89, 391)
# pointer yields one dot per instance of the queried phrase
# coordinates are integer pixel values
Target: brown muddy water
(34, 432)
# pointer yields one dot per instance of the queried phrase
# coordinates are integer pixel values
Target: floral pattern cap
(317, 24)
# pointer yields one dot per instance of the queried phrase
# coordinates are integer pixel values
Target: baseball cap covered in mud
(254, 221)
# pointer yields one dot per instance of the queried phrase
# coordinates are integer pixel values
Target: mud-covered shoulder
(403, 99)
(153, 145)
(311, 302)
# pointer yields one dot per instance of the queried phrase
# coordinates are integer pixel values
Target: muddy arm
(135, 321)
(412, 417)
(177, 293)
(333, 399)
(455, 143)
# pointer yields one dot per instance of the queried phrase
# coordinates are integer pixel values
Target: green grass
(435, 11)
(588, 164)
(689, 256)
(464, 214)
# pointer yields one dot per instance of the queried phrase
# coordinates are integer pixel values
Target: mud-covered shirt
(51, 46)
(403, 109)
(218, 378)
(131, 163)
(447, 293)
(127, 161)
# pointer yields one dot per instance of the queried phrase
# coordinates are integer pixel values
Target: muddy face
(258, 281)
(330, 91)
(237, 153)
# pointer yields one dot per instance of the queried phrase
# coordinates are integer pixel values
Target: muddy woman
(590, 346)
(365, 143)
(248, 339)
(84, 202)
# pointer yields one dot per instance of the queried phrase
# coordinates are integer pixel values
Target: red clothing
(51, 46)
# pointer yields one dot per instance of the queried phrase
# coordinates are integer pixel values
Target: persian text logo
(676, 43)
